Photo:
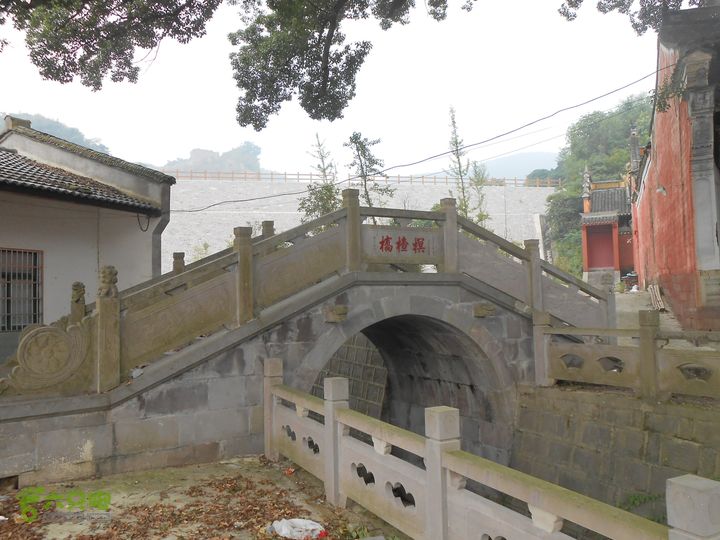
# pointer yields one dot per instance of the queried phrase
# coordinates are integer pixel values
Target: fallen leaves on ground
(221, 508)
(15, 527)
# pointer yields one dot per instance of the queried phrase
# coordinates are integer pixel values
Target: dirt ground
(237, 498)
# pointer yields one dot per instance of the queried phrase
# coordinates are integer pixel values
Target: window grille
(20, 289)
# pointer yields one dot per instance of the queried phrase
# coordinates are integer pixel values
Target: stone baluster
(450, 236)
(337, 395)
(693, 506)
(535, 292)
(541, 348)
(353, 244)
(107, 368)
(77, 303)
(442, 432)
(611, 316)
(245, 298)
(649, 322)
(178, 262)
(268, 229)
(273, 371)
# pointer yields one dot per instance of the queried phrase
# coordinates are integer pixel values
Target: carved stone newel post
(353, 231)
(77, 302)
(268, 228)
(107, 368)
(450, 236)
(178, 262)
(244, 249)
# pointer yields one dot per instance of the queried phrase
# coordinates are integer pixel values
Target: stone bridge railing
(647, 366)
(426, 497)
(97, 346)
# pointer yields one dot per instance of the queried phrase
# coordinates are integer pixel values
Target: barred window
(20, 289)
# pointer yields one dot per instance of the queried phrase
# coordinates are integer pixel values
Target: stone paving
(236, 498)
(627, 306)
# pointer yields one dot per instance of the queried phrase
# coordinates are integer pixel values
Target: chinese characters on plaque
(400, 244)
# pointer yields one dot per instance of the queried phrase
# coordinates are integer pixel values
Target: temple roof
(22, 174)
(610, 200)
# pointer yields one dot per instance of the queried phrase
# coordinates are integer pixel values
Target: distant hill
(520, 165)
(58, 129)
(241, 158)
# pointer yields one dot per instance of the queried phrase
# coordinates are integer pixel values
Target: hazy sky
(502, 65)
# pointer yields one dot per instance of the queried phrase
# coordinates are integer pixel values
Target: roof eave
(85, 200)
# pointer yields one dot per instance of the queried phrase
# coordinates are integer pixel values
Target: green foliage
(636, 500)
(58, 129)
(648, 15)
(471, 178)
(290, 48)
(285, 48)
(541, 174)
(200, 251)
(569, 253)
(365, 166)
(298, 48)
(69, 38)
(600, 141)
(672, 87)
(563, 214)
(322, 197)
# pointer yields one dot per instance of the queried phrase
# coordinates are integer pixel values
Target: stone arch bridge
(170, 371)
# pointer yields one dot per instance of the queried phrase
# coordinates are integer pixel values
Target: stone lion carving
(78, 293)
(108, 282)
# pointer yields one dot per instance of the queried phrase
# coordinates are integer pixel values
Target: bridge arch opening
(427, 362)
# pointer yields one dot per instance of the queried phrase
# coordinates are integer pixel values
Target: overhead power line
(441, 154)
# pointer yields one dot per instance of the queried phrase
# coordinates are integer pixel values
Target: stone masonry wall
(211, 412)
(200, 404)
(612, 446)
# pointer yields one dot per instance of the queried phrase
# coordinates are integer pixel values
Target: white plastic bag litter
(297, 529)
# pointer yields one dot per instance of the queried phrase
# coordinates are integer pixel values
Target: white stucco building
(65, 211)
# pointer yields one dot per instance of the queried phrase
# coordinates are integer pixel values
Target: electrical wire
(441, 154)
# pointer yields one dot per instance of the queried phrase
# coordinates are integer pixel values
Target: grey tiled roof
(20, 173)
(106, 159)
(610, 200)
(598, 218)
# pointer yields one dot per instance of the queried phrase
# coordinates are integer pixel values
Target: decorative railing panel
(566, 302)
(432, 502)
(177, 319)
(288, 270)
(473, 516)
(485, 262)
(384, 484)
(690, 372)
(140, 298)
(548, 503)
(301, 439)
(653, 369)
(600, 364)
